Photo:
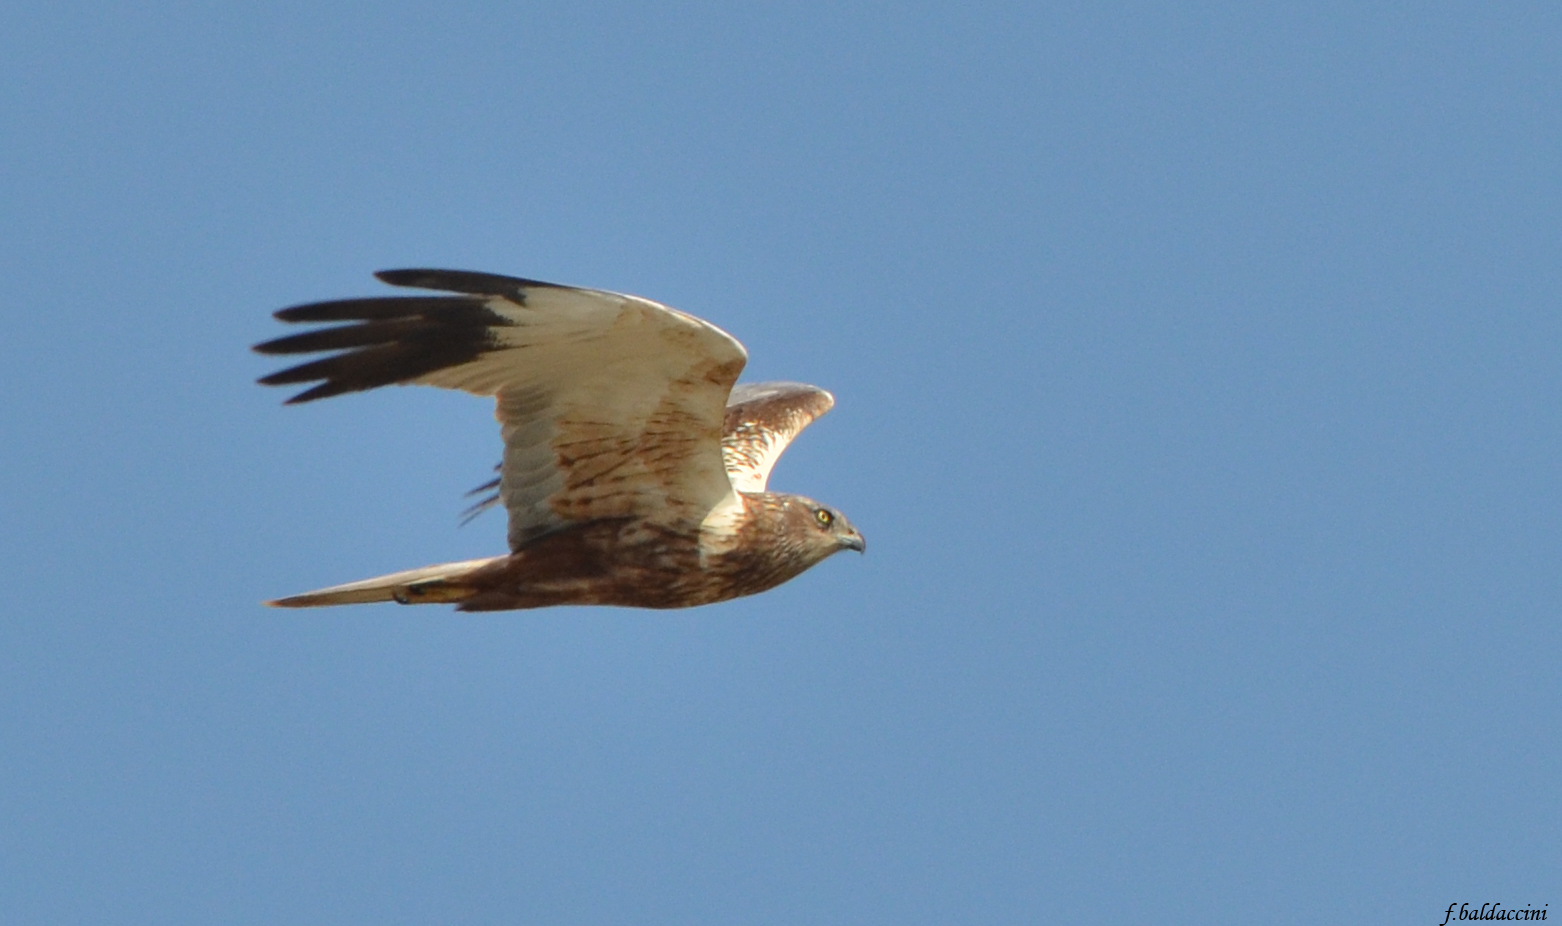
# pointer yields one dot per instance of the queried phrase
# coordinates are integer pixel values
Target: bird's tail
(442, 584)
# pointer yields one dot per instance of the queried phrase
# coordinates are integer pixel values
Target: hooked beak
(855, 542)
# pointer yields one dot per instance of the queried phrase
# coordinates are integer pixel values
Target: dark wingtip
(322, 391)
(470, 282)
(395, 340)
(411, 276)
(299, 399)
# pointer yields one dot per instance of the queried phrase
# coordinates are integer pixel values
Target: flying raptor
(634, 468)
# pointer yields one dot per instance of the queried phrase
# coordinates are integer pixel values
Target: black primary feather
(464, 281)
(397, 339)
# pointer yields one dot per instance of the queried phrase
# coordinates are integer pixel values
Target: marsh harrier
(634, 468)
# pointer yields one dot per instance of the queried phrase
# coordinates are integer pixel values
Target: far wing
(610, 405)
(762, 419)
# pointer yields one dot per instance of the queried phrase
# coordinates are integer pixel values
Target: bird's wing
(611, 406)
(761, 420)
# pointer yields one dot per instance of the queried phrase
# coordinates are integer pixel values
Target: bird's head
(822, 529)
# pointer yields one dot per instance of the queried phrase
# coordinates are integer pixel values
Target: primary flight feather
(634, 468)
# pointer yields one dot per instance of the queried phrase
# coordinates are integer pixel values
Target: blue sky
(1198, 390)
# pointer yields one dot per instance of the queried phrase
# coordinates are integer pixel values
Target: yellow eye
(825, 518)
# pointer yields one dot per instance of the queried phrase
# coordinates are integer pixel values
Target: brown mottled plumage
(634, 469)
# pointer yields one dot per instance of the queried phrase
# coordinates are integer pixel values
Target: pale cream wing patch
(609, 405)
(761, 420)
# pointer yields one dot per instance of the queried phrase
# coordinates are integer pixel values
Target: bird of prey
(634, 468)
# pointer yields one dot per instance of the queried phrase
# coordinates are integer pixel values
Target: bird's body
(632, 563)
(634, 471)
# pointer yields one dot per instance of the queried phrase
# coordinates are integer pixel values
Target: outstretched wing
(761, 420)
(611, 406)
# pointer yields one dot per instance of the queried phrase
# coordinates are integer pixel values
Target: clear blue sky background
(1199, 372)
